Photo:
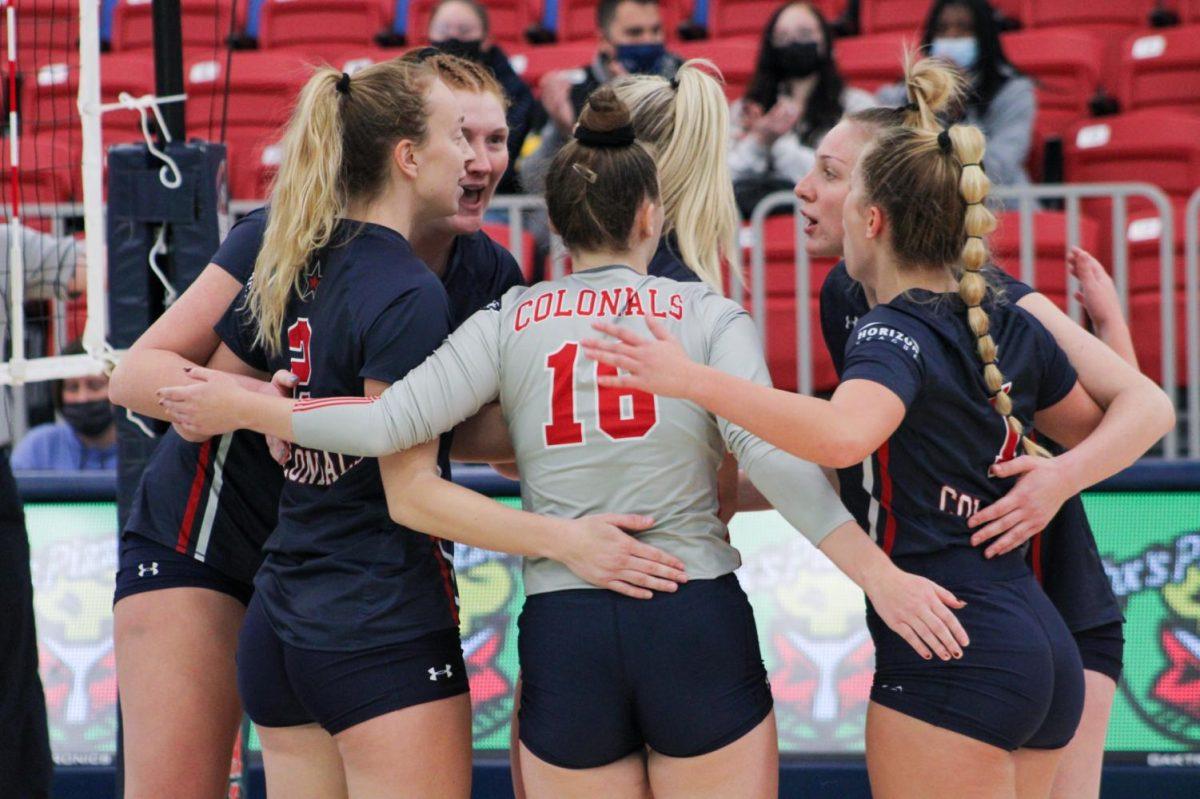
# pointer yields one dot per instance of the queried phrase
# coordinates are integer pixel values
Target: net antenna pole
(16, 254)
(95, 332)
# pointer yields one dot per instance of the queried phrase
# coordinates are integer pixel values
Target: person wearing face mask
(795, 96)
(631, 42)
(461, 28)
(86, 438)
(1000, 100)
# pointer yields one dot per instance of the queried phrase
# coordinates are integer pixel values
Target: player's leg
(1035, 771)
(175, 656)
(748, 767)
(624, 779)
(514, 743)
(907, 757)
(422, 751)
(302, 762)
(1078, 775)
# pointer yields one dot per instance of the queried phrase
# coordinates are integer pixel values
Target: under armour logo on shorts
(435, 673)
(151, 569)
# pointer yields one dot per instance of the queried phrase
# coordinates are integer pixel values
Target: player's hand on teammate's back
(1041, 489)
(658, 365)
(205, 407)
(918, 610)
(603, 553)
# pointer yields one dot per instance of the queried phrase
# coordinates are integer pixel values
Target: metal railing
(1026, 202)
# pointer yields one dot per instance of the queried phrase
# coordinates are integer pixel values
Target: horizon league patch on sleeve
(881, 332)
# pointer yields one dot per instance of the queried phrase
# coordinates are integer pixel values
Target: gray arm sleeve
(49, 261)
(798, 489)
(453, 383)
(1008, 126)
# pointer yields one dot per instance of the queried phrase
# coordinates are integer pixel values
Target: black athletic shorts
(604, 675)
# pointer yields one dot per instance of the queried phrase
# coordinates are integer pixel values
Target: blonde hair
(685, 125)
(335, 150)
(460, 74)
(932, 88)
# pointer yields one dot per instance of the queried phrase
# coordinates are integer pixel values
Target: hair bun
(604, 112)
(932, 86)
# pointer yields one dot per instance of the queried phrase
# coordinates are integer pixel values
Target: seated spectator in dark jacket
(85, 440)
(1000, 100)
(461, 28)
(631, 41)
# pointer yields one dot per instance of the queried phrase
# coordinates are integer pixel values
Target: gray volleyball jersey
(583, 449)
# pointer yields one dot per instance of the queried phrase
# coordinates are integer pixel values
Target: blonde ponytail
(685, 124)
(968, 148)
(335, 150)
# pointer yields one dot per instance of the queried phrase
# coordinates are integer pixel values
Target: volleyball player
(993, 722)
(177, 616)
(618, 697)
(1064, 557)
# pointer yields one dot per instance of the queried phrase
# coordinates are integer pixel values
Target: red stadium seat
(499, 233)
(49, 169)
(534, 63)
(1161, 69)
(1050, 247)
(780, 345)
(884, 16)
(870, 62)
(50, 93)
(1084, 14)
(205, 24)
(307, 23)
(734, 57)
(253, 162)
(1161, 147)
(508, 20)
(262, 89)
(47, 31)
(1145, 323)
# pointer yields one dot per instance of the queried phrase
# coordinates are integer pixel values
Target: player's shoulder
(897, 324)
(488, 260)
(384, 261)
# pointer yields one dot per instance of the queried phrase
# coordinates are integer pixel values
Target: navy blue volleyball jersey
(338, 573)
(1064, 556)
(932, 473)
(668, 263)
(217, 500)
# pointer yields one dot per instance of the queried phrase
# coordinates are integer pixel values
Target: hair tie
(977, 202)
(620, 137)
(912, 106)
(973, 236)
(943, 140)
(675, 83)
(343, 84)
(977, 163)
(584, 172)
(426, 53)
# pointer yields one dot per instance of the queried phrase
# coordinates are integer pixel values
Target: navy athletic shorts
(1020, 681)
(604, 675)
(146, 565)
(285, 686)
(1102, 649)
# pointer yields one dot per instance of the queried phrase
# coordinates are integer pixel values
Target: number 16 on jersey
(622, 413)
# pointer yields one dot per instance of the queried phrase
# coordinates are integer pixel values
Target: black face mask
(88, 419)
(470, 49)
(795, 60)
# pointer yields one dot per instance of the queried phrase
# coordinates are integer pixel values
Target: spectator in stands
(1001, 101)
(795, 97)
(632, 41)
(85, 440)
(461, 28)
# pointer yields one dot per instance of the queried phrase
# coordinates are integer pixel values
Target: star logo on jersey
(1159, 590)
(310, 281)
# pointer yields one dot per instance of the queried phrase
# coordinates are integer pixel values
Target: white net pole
(16, 254)
(95, 333)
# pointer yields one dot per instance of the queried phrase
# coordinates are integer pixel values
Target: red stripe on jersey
(1035, 555)
(885, 498)
(197, 491)
(313, 404)
(447, 583)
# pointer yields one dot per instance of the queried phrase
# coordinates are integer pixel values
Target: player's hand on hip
(598, 549)
(205, 407)
(919, 611)
(1026, 509)
(658, 365)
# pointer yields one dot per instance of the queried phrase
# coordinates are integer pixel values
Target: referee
(53, 268)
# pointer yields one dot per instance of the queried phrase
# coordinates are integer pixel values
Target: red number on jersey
(564, 429)
(299, 344)
(1008, 450)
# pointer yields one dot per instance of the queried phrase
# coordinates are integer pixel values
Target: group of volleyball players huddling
(365, 319)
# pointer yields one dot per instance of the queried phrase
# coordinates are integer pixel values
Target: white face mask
(962, 51)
